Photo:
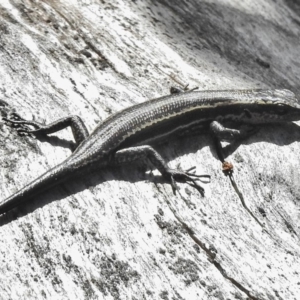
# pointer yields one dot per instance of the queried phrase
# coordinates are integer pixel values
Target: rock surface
(121, 233)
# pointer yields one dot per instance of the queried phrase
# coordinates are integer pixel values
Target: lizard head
(276, 106)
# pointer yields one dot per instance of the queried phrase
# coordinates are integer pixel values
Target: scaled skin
(125, 135)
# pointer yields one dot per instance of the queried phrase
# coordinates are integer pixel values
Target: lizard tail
(46, 181)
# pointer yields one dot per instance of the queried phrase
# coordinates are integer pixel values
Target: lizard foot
(186, 177)
(21, 124)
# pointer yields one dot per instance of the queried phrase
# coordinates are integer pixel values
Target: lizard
(128, 135)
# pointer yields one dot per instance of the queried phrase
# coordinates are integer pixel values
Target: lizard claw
(186, 177)
(189, 173)
(21, 124)
(13, 117)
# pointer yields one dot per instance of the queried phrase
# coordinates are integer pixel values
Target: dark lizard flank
(127, 135)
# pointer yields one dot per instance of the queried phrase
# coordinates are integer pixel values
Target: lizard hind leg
(172, 175)
(79, 130)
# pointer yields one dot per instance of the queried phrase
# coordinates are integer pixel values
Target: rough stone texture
(121, 233)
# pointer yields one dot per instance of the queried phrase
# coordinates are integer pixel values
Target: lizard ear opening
(282, 109)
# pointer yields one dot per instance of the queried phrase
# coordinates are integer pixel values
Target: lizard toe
(185, 177)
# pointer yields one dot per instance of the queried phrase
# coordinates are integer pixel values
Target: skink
(128, 135)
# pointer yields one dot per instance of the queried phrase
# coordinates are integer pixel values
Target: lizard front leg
(79, 130)
(222, 133)
(147, 152)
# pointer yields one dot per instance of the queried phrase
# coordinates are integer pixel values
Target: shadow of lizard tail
(49, 179)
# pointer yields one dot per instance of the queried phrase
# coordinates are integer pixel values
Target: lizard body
(126, 135)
